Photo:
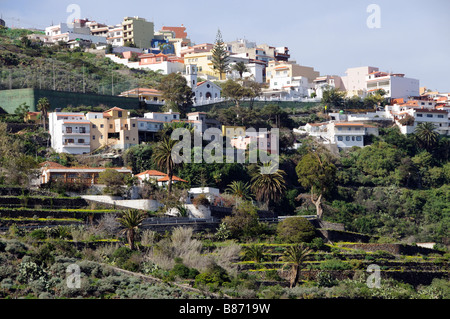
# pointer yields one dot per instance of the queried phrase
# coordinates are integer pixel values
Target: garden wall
(338, 235)
(47, 202)
(396, 249)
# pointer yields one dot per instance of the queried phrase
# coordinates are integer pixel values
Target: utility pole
(112, 82)
(84, 86)
(54, 80)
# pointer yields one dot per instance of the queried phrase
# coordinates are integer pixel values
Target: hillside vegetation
(29, 64)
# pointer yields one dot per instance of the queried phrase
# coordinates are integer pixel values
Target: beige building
(289, 69)
(233, 131)
(113, 128)
(138, 31)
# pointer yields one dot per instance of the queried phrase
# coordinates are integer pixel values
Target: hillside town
(226, 169)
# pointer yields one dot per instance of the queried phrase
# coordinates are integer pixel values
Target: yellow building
(233, 131)
(203, 61)
(138, 31)
(32, 117)
(113, 128)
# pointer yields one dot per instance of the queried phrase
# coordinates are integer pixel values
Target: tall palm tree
(240, 68)
(131, 220)
(426, 135)
(294, 256)
(43, 106)
(268, 184)
(164, 159)
(240, 190)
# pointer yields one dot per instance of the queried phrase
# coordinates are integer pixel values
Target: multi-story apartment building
(355, 80)
(113, 128)
(395, 85)
(115, 36)
(70, 132)
(138, 31)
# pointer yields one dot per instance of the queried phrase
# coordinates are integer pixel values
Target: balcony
(69, 144)
(84, 133)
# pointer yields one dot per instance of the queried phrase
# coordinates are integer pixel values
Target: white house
(70, 132)
(439, 118)
(341, 134)
(64, 32)
(395, 85)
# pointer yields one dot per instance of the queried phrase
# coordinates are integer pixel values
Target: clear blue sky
(328, 35)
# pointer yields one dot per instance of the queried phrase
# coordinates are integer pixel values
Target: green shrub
(16, 248)
(334, 264)
(214, 276)
(325, 279)
(318, 244)
(180, 270)
(38, 234)
(296, 230)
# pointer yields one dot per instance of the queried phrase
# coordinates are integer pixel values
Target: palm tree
(426, 135)
(240, 68)
(268, 184)
(239, 189)
(254, 253)
(295, 256)
(164, 159)
(131, 220)
(43, 106)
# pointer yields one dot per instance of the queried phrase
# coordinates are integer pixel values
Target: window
(429, 115)
(340, 138)
(347, 138)
(119, 114)
(93, 137)
(101, 125)
(353, 138)
(82, 130)
(68, 130)
(101, 137)
(127, 138)
(134, 125)
(94, 126)
(80, 140)
(359, 138)
(440, 116)
(419, 115)
(110, 126)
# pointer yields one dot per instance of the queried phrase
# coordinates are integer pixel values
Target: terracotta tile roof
(174, 178)
(50, 164)
(151, 173)
(348, 124)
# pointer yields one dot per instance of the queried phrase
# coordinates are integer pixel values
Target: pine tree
(219, 56)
